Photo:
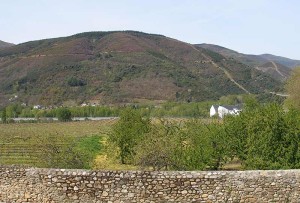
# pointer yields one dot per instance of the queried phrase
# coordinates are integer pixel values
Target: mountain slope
(275, 70)
(5, 44)
(252, 60)
(282, 60)
(121, 67)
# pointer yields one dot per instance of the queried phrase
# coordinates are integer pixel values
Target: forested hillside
(121, 67)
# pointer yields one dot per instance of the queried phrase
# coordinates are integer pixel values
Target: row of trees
(199, 109)
(262, 137)
(63, 114)
(16, 110)
(168, 109)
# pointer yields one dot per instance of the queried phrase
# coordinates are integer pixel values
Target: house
(37, 107)
(84, 104)
(223, 110)
(213, 110)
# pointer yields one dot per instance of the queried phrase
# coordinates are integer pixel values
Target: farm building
(222, 110)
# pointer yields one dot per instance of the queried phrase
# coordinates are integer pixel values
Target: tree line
(261, 137)
(168, 109)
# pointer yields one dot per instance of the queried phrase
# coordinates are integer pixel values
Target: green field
(22, 143)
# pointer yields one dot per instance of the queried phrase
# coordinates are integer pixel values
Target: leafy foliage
(186, 146)
(78, 153)
(127, 132)
(261, 137)
(63, 114)
(265, 137)
(158, 148)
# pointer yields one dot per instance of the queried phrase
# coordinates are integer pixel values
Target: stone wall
(59, 185)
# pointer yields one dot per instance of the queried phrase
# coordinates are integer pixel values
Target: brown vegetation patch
(150, 88)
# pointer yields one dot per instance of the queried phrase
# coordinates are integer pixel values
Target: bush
(75, 153)
(64, 114)
(74, 82)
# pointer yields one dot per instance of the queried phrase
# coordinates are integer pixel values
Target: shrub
(75, 153)
(63, 114)
(74, 82)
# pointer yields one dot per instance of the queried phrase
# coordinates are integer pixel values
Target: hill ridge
(251, 59)
(121, 67)
(5, 44)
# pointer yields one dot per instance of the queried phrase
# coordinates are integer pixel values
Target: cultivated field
(24, 143)
(21, 143)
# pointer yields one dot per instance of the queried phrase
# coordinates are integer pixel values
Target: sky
(247, 26)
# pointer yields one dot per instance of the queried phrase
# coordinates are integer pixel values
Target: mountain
(275, 70)
(251, 60)
(282, 60)
(5, 44)
(122, 67)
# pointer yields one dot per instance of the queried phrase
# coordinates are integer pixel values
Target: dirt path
(53, 55)
(277, 70)
(224, 70)
(280, 94)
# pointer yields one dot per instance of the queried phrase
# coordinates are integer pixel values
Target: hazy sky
(248, 26)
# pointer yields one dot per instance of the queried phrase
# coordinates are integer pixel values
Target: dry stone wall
(60, 185)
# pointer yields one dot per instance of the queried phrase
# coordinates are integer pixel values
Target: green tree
(127, 132)
(293, 89)
(205, 146)
(13, 110)
(265, 137)
(64, 114)
(192, 145)
(158, 148)
(3, 116)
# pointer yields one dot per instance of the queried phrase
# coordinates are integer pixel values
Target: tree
(3, 116)
(13, 110)
(158, 148)
(293, 89)
(127, 132)
(204, 146)
(265, 137)
(63, 114)
(192, 145)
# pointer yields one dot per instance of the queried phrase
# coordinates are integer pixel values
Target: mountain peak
(5, 44)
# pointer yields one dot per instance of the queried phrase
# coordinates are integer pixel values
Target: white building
(213, 110)
(37, 107)
(223, 110)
